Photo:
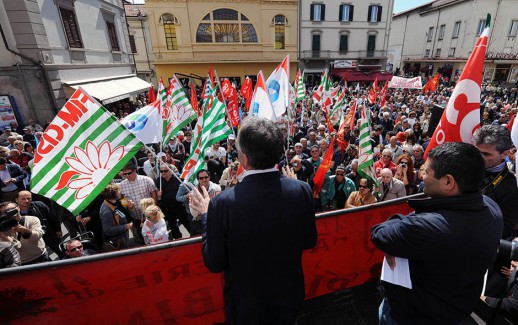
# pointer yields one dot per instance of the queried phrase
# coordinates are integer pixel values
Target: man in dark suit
(257, 230)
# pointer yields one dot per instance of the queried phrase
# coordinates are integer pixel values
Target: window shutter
(341, 13)
(323, 10)
(312, 12)
(369, 13)
(351, 11)
(379, 12)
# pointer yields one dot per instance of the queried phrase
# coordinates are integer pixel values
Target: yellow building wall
(229, 59)
(223, 70)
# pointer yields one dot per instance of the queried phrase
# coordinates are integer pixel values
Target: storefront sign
(345, 64)
(501, 56)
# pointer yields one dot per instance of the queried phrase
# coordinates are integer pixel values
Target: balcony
(309, 55)
(315, 55)
(372, 54)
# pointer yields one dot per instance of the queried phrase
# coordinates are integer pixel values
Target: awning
(354, 75)
(109, 91)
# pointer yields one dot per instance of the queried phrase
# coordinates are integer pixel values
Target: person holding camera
(229, 177)
(24, 232)
(405, 172)
(450, 241)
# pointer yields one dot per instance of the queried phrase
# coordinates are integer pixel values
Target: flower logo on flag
(91, 166)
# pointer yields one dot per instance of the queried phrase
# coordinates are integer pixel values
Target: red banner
(246, 92)
(230, 93)
(168, 283)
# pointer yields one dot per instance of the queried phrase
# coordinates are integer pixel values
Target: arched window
(280, 23)
(225, 26)
(170, 21)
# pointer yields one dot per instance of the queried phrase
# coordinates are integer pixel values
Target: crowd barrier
(168, 283)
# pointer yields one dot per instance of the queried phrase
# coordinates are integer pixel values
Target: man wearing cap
(230, 147)
(299, 151)
(177, 149)
(336, 190)
(5, 136)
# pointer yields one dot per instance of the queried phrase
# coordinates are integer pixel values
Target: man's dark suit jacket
(256, 232)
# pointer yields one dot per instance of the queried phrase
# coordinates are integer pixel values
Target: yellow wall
(229, 59)
(223, 69)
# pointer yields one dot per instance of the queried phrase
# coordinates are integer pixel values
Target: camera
(402, 164)
(8, 219)
(294, 164)
(508, 249)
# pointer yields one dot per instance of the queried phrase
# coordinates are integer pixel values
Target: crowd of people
(148, 204)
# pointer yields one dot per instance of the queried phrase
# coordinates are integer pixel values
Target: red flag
(462, 114)
(194, 98)
(340, 136)
(233, 106)
(349, 119)
(373, 94)
(246, 92)
(226, 87)
(434, 83)
(320, 175)
(383, 94)
(151, 95)
(511, 122)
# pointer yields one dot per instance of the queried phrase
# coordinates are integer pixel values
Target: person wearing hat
(5, 136)
(28, 136)
(336, 190)
(230, 147)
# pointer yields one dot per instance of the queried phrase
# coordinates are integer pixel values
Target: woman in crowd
(229, 176)
(405, 172)
(114, 219)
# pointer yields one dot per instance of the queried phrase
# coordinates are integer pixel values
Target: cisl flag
(80, 152)
(260, 104)
(278, 85)
(462, 114)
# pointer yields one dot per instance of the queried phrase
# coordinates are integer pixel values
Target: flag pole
(161, 163)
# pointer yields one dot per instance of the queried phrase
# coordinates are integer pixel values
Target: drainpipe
(50, 95)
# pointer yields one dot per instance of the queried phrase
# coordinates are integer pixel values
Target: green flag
(80, 152)
(365, 161)
(213, 128)
(178, 112)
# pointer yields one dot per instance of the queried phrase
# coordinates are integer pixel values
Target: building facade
(140, 41)
(236, 37)
(349, 36)
(50, 48)
(439, 37)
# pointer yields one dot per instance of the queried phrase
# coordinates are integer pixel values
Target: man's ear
(449, 183)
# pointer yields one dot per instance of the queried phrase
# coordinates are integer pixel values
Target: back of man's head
(261, 141)
(462, 161)
(494, 135)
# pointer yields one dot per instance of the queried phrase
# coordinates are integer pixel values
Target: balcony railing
(352, 55)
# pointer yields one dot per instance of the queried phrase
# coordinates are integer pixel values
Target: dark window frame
(71, 27)
(112, 35)
(344, 43)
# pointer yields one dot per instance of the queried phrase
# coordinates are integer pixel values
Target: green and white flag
(365, 161)
(300, 87)
(178, 112)
(211, 129)
(80, 152)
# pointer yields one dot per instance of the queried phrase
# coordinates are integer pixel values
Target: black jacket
(505, 194)
(450, 242)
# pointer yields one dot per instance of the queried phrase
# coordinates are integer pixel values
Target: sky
(402, 5)
(399, 5)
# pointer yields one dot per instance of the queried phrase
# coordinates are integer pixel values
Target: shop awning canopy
(109, 91)
(354, 75)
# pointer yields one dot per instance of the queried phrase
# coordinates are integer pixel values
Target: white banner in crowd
(405, 83)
